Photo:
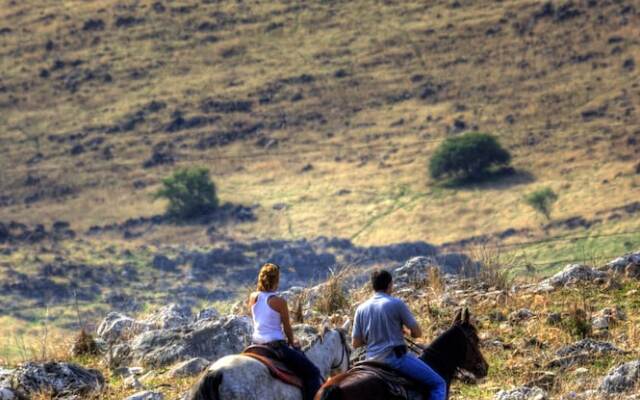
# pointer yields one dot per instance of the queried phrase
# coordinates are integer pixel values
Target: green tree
(542, 201)
(190, 193)
(468, 157)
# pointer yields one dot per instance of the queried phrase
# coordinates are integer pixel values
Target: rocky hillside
(571, 336)
(316, 121)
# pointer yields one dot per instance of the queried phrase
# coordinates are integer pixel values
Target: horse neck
(446, 353)
(321, 354)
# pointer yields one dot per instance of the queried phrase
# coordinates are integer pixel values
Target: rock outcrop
(621, 378)
(589, 346)
(208, 339)
(117, 327)
(619, 264)
(570, 275)
(188, 368)
(522, 393)
(59, 379)
(146, 395)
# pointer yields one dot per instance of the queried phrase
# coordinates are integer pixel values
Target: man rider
(379, 324)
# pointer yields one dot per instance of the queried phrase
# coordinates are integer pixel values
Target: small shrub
(578, 323)
(494, 270)
(190, 192)
(435, 280)
(84, 344)
(467, 157)
(542, 201)
(334, 296)
(297, 314)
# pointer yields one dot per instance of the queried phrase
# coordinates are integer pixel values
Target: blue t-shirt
(378, 323)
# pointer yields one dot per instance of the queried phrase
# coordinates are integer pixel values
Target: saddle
(273, 361)
(399, 387)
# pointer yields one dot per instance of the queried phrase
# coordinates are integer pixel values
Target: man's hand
(414, 332)
(357, 342)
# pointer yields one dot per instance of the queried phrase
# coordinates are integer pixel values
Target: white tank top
(267, 323)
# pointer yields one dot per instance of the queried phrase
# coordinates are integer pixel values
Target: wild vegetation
(190, 193)
(542, 201)
(317, 122)
(468, 157)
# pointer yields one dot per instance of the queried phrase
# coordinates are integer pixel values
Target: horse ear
(458, 318)
(346, 327)
(467, 316)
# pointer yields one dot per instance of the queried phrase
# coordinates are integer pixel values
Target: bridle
(419, 349)
(346, 350)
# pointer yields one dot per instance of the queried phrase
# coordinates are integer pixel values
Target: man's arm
(409, 321)
(357, 336)
(357, 342)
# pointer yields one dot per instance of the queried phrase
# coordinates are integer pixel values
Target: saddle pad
(398, 386)
(263, 350)
(276, 368)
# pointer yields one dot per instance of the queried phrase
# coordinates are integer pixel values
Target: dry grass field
(362, 92)
(323, 115)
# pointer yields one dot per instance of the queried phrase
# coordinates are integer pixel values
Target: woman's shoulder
(276, 299)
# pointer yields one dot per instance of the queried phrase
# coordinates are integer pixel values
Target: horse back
(356, 385)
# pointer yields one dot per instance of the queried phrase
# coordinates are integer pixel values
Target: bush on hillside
(542, 201)
(467, 157)
(190, 192)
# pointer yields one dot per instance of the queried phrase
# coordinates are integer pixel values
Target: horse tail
(207, 387)
(332, 392)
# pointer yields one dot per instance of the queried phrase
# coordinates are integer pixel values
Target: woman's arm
(280, 305)
(250, 302)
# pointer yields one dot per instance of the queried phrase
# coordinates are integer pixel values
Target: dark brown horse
(456, 349)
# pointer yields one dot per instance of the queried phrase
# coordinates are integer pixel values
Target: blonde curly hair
(268, 278)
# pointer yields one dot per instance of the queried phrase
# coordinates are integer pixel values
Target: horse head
(330, 351)
(473, 360)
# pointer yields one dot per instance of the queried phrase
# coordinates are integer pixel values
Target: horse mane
(318, 338)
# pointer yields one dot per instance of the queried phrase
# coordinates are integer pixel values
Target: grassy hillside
(362, 92)
(322, 116)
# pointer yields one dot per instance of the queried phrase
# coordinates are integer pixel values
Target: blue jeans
(414, 368)
(304, 368)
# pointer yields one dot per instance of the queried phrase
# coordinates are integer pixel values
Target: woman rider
(272, 327)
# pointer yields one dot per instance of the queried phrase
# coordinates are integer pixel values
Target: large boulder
(414, 270)
(571, 274)
(621, 378)
(208, 339)
(59, 379)
(522, 393)
(190, 367)
(117, 327)
(169, 316)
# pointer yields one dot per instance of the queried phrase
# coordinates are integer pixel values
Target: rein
(345, 350)
(413, 346)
